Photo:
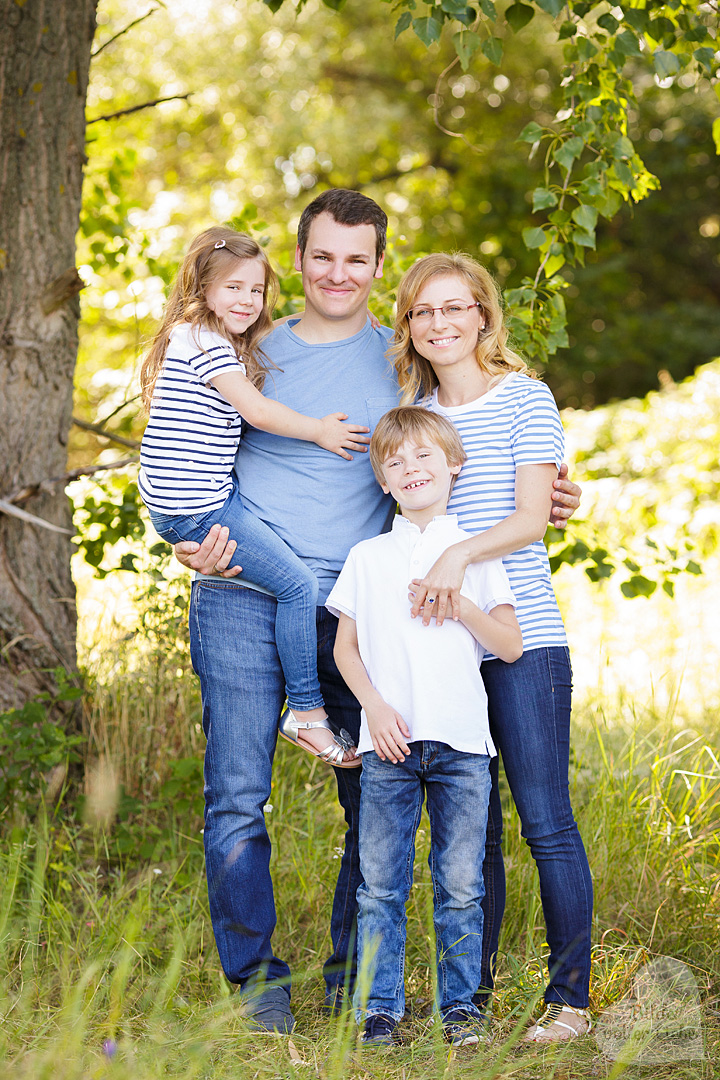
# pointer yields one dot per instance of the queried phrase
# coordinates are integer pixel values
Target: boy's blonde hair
(420, 426)
(210, 255)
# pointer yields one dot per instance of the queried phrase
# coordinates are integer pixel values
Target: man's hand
(388, 731)
(565, 498)
(210, 557)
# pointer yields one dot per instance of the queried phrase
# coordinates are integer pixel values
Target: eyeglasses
(452, 311)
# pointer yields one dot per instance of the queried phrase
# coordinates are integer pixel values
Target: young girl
(198, 391)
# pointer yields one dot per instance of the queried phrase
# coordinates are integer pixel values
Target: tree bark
(44, 68)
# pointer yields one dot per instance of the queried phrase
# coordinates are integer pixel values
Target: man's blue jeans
(232, 638)
(457, 786)
(268, 561)
(529, 707)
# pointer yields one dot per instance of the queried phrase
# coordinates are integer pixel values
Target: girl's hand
(388, 731)
(440, 587)
(334, 435)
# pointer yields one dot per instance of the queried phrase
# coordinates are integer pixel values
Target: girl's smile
(236, 296)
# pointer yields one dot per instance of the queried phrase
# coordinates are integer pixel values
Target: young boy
(424, 724)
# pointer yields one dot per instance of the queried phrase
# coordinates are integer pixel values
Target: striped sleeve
(536, 432)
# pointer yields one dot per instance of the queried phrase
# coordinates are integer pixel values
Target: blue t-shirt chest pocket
(377, 407)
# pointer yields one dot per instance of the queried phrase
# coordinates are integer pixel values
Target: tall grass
(107, 960)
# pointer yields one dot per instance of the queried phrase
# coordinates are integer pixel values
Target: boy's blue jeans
(457, 786)
(266, 560)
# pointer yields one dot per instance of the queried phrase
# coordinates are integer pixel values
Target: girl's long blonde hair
(415, 374)
(210, 255)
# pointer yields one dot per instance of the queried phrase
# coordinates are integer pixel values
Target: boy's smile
(419, 478)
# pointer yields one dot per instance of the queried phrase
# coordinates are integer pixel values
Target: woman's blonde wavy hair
(415, 374)
(204, 263)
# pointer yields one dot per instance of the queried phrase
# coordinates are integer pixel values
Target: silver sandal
(332, 754)
(552, 1026)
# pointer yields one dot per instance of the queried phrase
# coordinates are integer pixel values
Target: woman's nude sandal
(334, 754)
(558, 1023)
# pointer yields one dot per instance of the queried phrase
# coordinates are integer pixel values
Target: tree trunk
(44, 67)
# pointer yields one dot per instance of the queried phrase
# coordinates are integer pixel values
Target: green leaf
(583, 238)
(531, 133)
(608, 203)
(454, 7)
(569, 151)
(493, 50)
(533, 238)
(553, 7)
(666, 64)
(543, 198)
(567, 30)
(466, 43)
(427, 29)
(716, 134)
(274, 5)
(519, 15)
(627, 43)
(622, 148)
(705, 58)
(585, 48)
(608, 22)
(585, 217)
(402, 23)
(554, 263)
(693, 568)
(638, 18)
(638, 585)
(488, 9)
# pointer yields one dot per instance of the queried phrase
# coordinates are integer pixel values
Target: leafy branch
(591, 165)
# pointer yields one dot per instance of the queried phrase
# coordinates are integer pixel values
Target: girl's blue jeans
(457, 787)
(529, 706)
(266, 560)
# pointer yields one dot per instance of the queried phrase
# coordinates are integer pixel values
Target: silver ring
(431, 599)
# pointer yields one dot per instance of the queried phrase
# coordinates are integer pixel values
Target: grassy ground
(107, 962)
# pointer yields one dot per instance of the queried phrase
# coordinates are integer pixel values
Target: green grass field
(108, 966)
(107, 962)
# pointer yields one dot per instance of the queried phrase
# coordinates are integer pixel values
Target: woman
(450, 351)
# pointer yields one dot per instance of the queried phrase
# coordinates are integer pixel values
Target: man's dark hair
(347, 208)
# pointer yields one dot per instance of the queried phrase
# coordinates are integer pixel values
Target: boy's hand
(335, 435)
(388, 731)
(565, 499)
(210, 557)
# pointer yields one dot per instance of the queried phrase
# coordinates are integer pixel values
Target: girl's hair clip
(220, 244)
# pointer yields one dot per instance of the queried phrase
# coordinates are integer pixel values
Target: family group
(365, 508)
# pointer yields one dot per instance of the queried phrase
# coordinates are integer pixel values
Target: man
(329, 359)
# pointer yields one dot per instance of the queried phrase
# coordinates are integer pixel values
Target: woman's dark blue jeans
(529, 706)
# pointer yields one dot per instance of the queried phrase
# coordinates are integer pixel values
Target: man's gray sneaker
(269, 1011)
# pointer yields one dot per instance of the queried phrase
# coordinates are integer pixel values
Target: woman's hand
(335, 435)
(210, 557)
(440, 587)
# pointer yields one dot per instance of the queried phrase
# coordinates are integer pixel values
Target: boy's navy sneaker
(464, 1028)
(269, 1011)
(379, 1031)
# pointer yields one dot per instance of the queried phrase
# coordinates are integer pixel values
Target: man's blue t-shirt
(317, 502)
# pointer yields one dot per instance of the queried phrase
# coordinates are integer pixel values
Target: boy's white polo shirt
(429, 674)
